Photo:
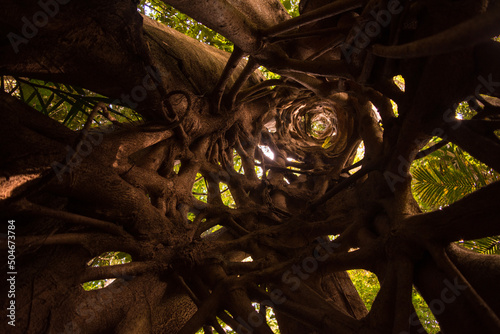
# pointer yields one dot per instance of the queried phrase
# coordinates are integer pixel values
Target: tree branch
(482, 309)
(403, 294)
(382, 313)
(432, 149)
(242, 95)
(474, 216)
(250, 67)
(327, 68)
(332, 9)
(119, 270)
(308, 34)
(483, 148)
(479, 29)
(208, 309)
(58, 239)
(343, 185)
(231, 65)
(68, 217)
(229, 19)
(324, 319)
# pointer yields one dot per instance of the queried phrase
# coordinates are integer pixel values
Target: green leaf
(448, 175)
(73, 112)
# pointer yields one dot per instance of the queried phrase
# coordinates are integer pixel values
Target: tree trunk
(210, 116)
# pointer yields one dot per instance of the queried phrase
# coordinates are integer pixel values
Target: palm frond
(488, 245)
(68, 104)
(448, 175)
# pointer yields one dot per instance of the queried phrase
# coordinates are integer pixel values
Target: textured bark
(205, 108)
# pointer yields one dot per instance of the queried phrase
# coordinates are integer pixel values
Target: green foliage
(360, 152)
(110, 259)
(200, 191)
(317, 128)
(270, 317)
(424, 313)
(94, 285)
(200, 188)
(447, 175)
(488, 245)
(268, 74)
(227, 198)
(211, 230)
(439, 180)
(171, 17)
(450, 173)
(106, 259)
(464, 111)
(177, 167)
(238, 166)
(191, 216)
(292, 6)
(67, 104)
(400, 82)
(368, 286)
